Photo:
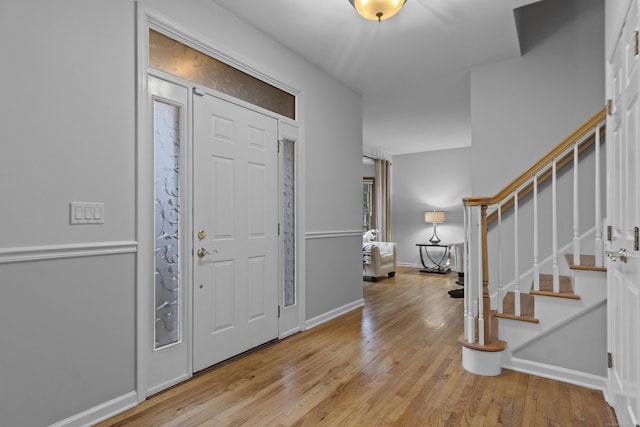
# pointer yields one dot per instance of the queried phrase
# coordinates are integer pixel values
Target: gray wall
(566, 347)
(68, 127)
(67, 135)
(426, 181)
(520, 108)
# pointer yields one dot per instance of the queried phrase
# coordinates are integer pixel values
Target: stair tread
(526, 308)
(587, 262)
(546, 287)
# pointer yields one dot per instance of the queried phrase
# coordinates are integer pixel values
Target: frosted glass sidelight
(288, 156)
(167, 223)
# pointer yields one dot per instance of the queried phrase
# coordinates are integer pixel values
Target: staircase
(536, 297)
(552, 342)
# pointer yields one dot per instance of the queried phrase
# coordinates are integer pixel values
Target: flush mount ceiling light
(377, 10)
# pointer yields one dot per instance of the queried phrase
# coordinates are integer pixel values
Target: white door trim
(622, 89)
(150, 19)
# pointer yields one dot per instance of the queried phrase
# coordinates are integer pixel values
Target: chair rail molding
(332, 234)
(72, 250)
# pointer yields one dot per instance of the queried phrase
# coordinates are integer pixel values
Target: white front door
(235, 218)
(623, 134)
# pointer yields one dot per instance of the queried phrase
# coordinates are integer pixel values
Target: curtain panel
(383, 200)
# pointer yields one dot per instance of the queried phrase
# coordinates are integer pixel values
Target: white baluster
(554, 229)
(472, 329)
(516, 255)
(576, 208)
(536, 250)
(500, 281)
(598, 244)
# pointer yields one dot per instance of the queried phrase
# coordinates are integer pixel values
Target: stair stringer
(560, 373)
(554, 313)
(582, 379)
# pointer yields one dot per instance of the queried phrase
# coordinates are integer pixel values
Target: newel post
(481, 350)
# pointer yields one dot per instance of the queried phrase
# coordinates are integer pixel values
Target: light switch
(77, 213)
(86, 213)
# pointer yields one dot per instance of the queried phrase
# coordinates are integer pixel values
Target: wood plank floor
(396, 362)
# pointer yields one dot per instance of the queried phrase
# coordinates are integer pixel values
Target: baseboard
(569, 376)
(100, 412)
(333, 313)
(406, 264)
(420, 266)
(290, 332)
(170, 383)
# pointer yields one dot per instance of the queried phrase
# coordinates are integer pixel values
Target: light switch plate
(86, 213)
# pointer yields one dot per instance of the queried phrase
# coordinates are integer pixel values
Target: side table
(438, 267)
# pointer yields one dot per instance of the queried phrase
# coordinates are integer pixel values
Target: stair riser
(590, 285)
(552, 310)
(515, 332)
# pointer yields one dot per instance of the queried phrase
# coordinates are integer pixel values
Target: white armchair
(379, 258)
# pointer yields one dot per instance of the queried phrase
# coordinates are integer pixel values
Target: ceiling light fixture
(377, 10)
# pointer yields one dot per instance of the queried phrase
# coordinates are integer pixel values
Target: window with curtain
(383, 199)
(368, 204)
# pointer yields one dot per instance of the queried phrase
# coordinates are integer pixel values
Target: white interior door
(235, 268)
(623, 211)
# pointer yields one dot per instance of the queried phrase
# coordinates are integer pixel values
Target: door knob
(202, 252)
(621, 255)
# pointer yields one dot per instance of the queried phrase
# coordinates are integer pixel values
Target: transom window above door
(180, 60)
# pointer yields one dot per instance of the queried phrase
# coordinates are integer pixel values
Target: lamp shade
(434, 216)
(377, 10)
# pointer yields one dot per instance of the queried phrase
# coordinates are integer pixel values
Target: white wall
(426, 181)
(68, 125)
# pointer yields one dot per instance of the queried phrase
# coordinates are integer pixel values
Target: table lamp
(434, 217)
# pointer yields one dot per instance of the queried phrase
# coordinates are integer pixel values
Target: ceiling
(413, 70)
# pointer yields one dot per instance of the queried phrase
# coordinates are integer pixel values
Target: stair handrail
(544, 161)
(483, 337)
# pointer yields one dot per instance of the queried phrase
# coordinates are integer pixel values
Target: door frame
(287, 128)
(615, 38)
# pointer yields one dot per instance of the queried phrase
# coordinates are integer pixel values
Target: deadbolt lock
(202, 234)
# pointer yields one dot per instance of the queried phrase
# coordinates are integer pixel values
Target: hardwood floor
(396, 362)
